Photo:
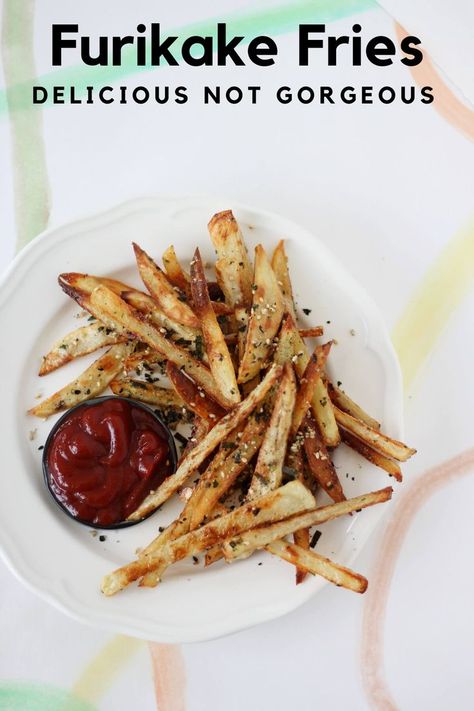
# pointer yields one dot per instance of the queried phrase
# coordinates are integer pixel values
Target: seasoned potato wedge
(271, 457)
(372, 456)
(318, 565)
(344, 402)
(114, 308)
(220, 362)
(244, 544)
(373, 438)
(162, 398)
(280, 267)
(319, 460)
(148, 306)
(207, 445)
(305, 394)
(192, 396)
(265, 318)
(82, 341)
(162, 291)
(321, 403)
(287, 500)
(175, 272)
(233, 268)
(92, 382)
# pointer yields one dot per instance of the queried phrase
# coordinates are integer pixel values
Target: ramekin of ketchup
(104, 456)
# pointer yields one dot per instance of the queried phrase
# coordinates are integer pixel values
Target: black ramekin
(172, 453)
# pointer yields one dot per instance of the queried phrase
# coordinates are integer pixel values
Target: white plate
(60, 559)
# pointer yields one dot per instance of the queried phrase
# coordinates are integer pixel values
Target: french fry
(318, 565)
(319, 460)
(284, 351)
(162, 398)
(175, 272)
(308, 381)
(373, 438)
(321, 403)
(233, 268)
(206, 446)
(80, 287)
(82, 341)
(162, 291)
(223, 471)
(265, 318)
(144, 359)
(245, 544)
(269, 467)
(280, 267)
(148, 306)
(220, 362)
(289, 499)
(219, 476)
(199, 430)
(344, 402)
(86, 283)
(114, 308)
(313, 332)
(192, 396)
(301, 539)
(92, 382)
(371, 455)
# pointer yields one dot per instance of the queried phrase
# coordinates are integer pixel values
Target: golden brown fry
(308, 381)
(245, 544)
(344, 402)
(318, 565)
(162, 291)
(371, 455)
(280, 267)
(82, 341)
(224, 470)
(207, 445)
(289, 499)
(80, 287)
(175, 272)
(321, 403)
(233, 268)
(193, 396)
(373, 438)
(148, 306)
(199, 430)
(319, 461)
(285, 350)
(162, 398)
(217, 351)
(114, 308)
(89, 384)
(265, 318)
(235, 454)
(301, 538)
(143, 360)
(269, 467)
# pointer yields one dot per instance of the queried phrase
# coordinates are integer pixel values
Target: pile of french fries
(265, 415)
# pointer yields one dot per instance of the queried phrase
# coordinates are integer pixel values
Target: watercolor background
(390, 191)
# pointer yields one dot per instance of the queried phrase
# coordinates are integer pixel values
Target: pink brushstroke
(407, 506)
(169, 676)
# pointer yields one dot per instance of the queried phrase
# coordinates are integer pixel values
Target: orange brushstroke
(408, 504)
(446, 103)
(169, 677)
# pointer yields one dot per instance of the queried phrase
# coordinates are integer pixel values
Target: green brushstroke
(25, 696)
(30, 175)
(271, 21)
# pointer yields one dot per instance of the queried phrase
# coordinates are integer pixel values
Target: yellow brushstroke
(102, 670)
(437, 296)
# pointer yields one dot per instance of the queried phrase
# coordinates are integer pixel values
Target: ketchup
(105, 458)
